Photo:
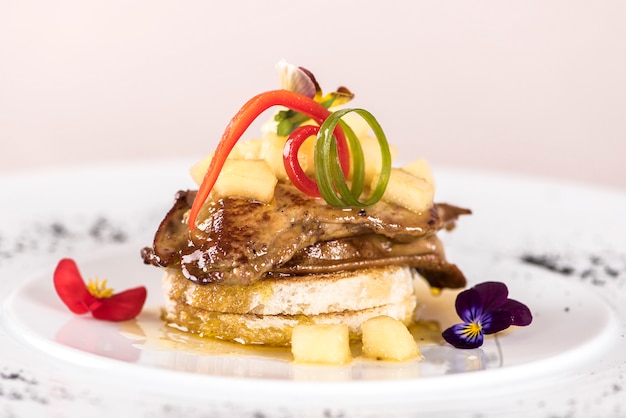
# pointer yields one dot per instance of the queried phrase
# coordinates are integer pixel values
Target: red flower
(95, 297)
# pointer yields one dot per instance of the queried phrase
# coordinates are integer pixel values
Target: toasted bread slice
(273, 329)
(297, 295)
(266, 311)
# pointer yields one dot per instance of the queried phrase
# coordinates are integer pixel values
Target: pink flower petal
(122, 306)
(71, 288)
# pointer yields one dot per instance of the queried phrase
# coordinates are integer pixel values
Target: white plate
(570, 361)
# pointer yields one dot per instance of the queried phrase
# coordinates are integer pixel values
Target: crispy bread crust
(265, 313)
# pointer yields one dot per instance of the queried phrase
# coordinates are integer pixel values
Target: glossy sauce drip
(150, 333)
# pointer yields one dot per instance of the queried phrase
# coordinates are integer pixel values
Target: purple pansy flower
(485, 309)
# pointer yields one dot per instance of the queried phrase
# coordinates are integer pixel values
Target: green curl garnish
(331, 181)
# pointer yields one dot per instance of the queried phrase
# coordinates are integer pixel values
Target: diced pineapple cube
(306, 156)
(321, 344)
(306, 153)
(248, 150)
(198, 170)
(252, 179)
(272, 151)
(406, 190)
(420, 168)
(386, 338)
(358, 125)
(373, 157)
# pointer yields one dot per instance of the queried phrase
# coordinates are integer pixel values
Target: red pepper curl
(244, 118)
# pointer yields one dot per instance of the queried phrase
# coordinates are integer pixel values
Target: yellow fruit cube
(373, 157)
(306, 156)
(406, 190)
(198, 170)
(251, 179)
(386, 338)
(248, 150)
(358, 125)
(272, 151)
(420, 168)
(321, 344)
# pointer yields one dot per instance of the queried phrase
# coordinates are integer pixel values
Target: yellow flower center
(473, 329)
(99, 288)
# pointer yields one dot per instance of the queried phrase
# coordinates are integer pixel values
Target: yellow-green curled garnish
(330, 178)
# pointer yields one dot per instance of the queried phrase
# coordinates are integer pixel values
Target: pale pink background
(531, 87)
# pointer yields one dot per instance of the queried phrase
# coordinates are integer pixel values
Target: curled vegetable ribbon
(290, 159)
(330, 180)
(244, 118)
